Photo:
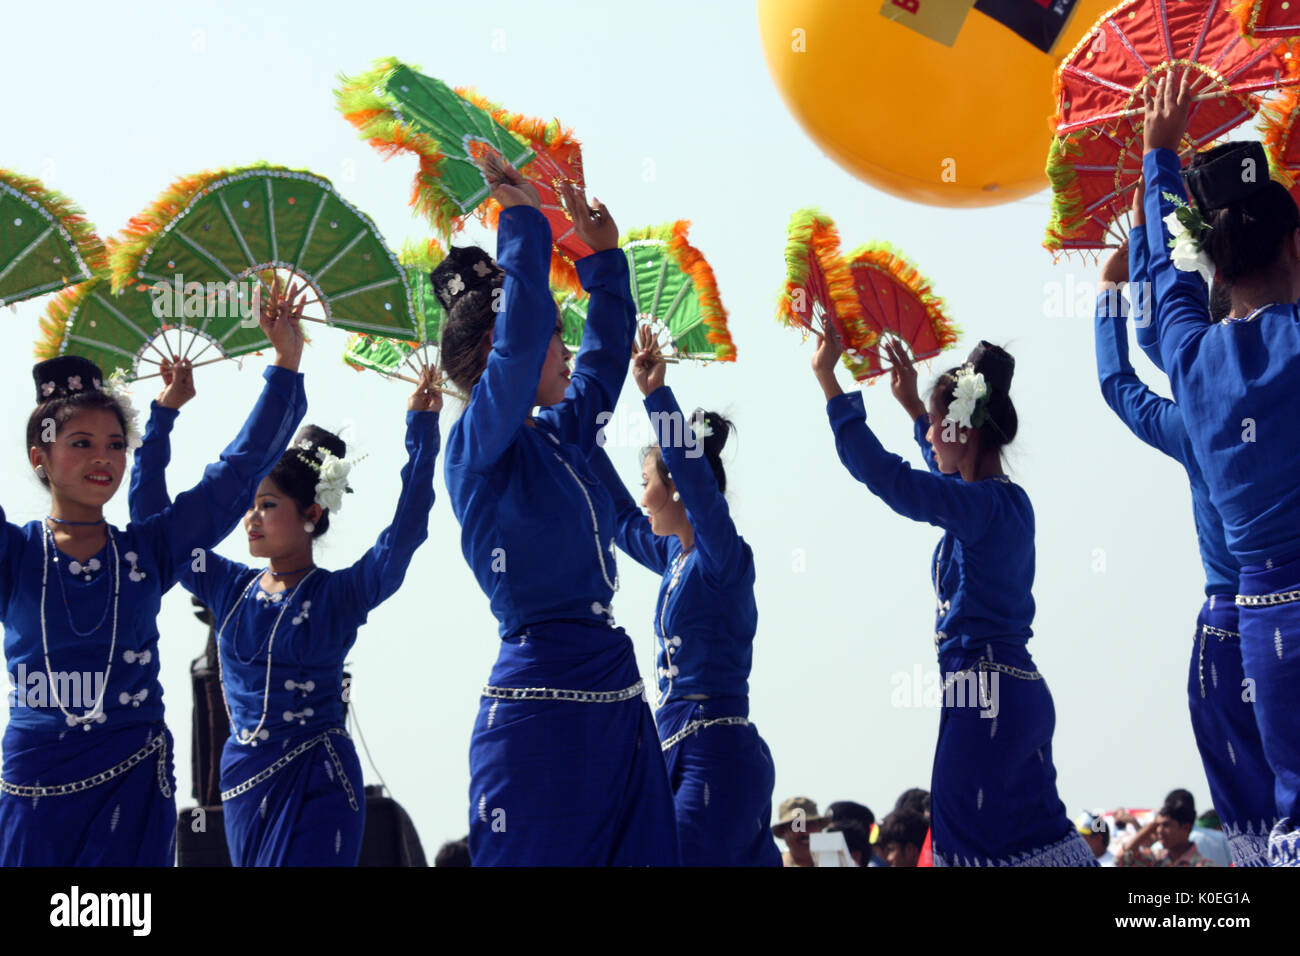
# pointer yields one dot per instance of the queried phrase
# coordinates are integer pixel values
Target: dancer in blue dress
(565, 768)
(291, 780)
(719, 767)
(1240, 780)
(87, 777)
(993, 790)
(1235, 382)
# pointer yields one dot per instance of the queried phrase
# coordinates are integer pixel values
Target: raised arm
(148, 492)
(601, 365)
(380, 571)
(963, 507)
(503, 398)
(634, 534)
(719, 545)
(1180, 310)
(206, 513)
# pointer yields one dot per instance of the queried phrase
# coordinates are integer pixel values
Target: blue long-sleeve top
(151, 553)
(1159, 422)
(1235, 382)
(984, 564)
(316, 623)
(705, 615)
(536, 528)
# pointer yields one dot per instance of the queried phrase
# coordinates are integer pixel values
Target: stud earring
(676, 496)
(40, 471)
(309, 527)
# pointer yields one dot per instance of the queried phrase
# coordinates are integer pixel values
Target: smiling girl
(291, 779)
(87, 778)
(993, 790)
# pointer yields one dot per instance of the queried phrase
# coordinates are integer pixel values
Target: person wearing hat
(1094, 829)
(564, 767)
(846, 811)
(1222, 718)
(1235, 382)
(797, 817)
(87, 774)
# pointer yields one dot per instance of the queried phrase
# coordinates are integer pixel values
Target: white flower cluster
(333, 483)
(1184, 248)
(116, 387)
(971, 388)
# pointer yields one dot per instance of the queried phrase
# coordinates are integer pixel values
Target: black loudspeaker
(389, 839)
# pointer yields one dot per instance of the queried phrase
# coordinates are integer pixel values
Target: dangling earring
(676, 496)
(309, 527)
(40, 471)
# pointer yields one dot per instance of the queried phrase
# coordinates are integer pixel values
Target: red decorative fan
(897, 303)
(1280, 141)
(558, 160)
(1095, 160)
(1267, 19)
(819, 288)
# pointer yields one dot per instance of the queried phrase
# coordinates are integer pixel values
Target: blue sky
(678, 119)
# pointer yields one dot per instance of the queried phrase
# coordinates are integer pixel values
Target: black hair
(904, 826)
(63, 409)
(998, 429)
(464, 335)
(453, 853)
(1179, 811)
(1248, 235)
(720, 426)
(856, 838)
(1220, 300)
(914, 799)
(1182, 796)
(842, 810)
(295, 475)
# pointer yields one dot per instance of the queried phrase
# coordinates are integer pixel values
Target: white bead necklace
(595, 526)
(247, 737)
(96, 713)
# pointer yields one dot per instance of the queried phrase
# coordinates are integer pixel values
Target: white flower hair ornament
(700, 426)
(332, 483)
(116, 387)
(969, 406)
(1187, 235)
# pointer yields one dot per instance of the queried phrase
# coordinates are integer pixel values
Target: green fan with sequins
(404, 359)
(46, 243)
(675, 293)
(240, 227)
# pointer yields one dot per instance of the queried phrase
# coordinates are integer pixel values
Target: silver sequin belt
(1267, 600)
(292, 755)
(157, 743)
(695, 726)
(555, 693)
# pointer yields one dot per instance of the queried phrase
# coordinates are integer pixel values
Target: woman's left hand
(594, 226)
(648, 366)
(426, 397)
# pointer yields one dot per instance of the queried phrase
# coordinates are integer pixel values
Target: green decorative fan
(399, 358)
(399, 109)
(126, 331)
(45, 241)
(675, 294)
(243, 225)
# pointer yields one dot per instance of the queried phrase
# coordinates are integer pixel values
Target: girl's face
(275, 525)
(555, 370)
(949, 441)
(86, 461)
(666, 515)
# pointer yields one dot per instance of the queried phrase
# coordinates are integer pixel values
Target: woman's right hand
(509, 186)
(280, 318)
(178, 383)
(902, 379)
(648, 366)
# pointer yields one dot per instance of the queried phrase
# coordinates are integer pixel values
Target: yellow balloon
(967, 125)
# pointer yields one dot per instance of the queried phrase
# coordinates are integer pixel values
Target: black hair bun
(996, 364)
(310, 438)
(1227, 174)
(717, 428)
(466, 269)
